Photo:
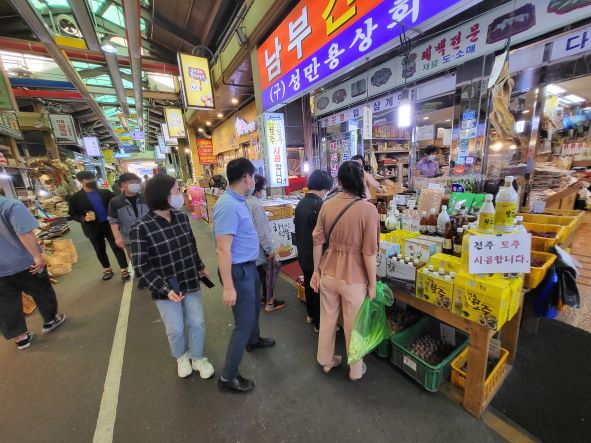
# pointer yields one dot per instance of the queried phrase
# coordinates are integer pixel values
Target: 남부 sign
(196, 81)
(63, 128)
(276, 149)
(507, 253)
(175, 123)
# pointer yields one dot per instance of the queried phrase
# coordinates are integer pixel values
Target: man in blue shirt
(237, 247)
(89, 207)
(22, 270)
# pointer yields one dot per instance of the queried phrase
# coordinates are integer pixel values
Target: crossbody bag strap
(345, 209)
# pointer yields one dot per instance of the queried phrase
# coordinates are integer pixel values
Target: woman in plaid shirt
(166, 260)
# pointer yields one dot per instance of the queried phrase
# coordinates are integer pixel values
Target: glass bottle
(458, 242)
(432, 222)
(448, 240)
(442, 221)
(423, 223)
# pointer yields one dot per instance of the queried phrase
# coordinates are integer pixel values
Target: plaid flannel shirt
(161, 250)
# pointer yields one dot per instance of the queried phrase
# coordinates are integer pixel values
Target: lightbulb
(306, 167)
(426, 118)
(404, 114)
(220, 115)
(512, 147)
(200, 129)
(496, 146)
(187, 151)
(234, 101)
(208, 123)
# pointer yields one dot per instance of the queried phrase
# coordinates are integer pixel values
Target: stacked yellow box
(434, 288)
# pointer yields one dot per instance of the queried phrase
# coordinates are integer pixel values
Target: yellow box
(447, 262)
(516, 290)
(399, 237)
(434, 289)
(486, 301)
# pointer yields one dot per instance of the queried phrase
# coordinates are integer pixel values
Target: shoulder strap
(345, 209)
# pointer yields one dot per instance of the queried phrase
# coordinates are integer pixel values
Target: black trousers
(101, 233)
(312, 299)
(38, 286)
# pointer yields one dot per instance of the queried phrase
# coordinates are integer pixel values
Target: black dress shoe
(262, 343)
(238, 384)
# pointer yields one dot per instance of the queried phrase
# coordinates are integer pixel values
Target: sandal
(337, 360)
(108, 274)
(363, 371)
(125, 275)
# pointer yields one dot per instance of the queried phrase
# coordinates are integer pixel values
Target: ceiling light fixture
(200, 129)
(554, 89)
(220, 115)
(107, 46)
(574, 98)
(426, 118)
(448, 119)
(187, 151)
(208, 123)
(526, 111)
(234, 101)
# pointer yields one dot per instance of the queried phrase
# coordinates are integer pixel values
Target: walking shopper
(125, 209)
(166, 260)
(306, 215)
(237, 245)
(22, 270)
(348, 226)
(89, 207)
(267, 264)
(144, 183)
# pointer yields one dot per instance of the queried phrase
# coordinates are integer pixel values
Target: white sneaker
(184, 366)
(309, 320)
(204, 367)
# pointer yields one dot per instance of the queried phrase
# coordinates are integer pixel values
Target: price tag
(537, 206)
(448, 334)
(407, 361)
(494, 348)
(436, 186)
(400, 199)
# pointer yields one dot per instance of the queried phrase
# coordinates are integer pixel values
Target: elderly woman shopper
(267, 264)
(348, 228)
(166, 260)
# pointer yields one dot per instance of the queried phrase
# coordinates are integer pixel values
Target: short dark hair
(238, 168)
(157, 192)
(320, 180)
(259, 182)
(127, 177)
(85, 175)
(431, 149)
(359, 157)
(351, 176)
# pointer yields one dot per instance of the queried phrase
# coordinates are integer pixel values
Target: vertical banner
(196, 81)
(63, 128)
(276, 150)
(168, 140)
(108, 156)
(175, 123)
(205, 151)
(91, 146)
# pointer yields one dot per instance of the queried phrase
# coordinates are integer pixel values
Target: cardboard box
(447, 262)
(434, 289)
(419, 249)
(385, 251)
(438, 241)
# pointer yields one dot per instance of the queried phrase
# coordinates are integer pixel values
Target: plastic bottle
(486, 216)
(441, 272)
(431, 269)
(432, 222)
(442, 220)
(423, 229)
(506, 207)
(519, 224)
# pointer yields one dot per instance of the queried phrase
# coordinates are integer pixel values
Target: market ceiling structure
(53, 50)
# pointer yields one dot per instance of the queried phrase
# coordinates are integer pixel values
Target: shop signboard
(492, 254)
(571, 44)
(281, 234)
(175, 123)
(205, 151)
(276, 149)
(243, 127)
(7, 102)
(383, 104)
(137, 135)
(9, 125)
(108, 156)
(318, 40)
(486, 34)
(91, 146)
(168, 140)
(164, 148)
(367, 123)
(63, 128)
(196, 81)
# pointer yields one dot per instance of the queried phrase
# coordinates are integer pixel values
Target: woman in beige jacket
(346, 272)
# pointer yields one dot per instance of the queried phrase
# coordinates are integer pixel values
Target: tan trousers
(334, 294)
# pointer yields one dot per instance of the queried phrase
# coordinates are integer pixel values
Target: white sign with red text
(506, 253)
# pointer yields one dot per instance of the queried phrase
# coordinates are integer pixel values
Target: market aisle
(293, 400)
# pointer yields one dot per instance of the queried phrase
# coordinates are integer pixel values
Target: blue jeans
(177, 315)
(246, 316)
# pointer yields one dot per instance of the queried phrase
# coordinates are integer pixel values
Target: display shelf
(401, 151)
(474, 399)
(391, 138)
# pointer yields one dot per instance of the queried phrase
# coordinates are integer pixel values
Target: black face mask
(92, 185)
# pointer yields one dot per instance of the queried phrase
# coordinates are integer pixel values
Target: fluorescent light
(555, 89)
(520, 126)
(526, 111)
(448, 119)
(200, 129)
(574, 98)
(234, 101)
(208, 123)
(404, 114)
(306, 167)
(426, 118)
(220, 115)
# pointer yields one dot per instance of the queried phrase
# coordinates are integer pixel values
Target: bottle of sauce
(448, 240)
(458, 242)
(506, 207)
(432, 222)
(486, 216)
(423, 229)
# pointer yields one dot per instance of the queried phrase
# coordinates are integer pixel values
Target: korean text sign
(507, 253)
(63, 128)
(175, 123)
(276, 149)
(205, 151)
(196, 81)
(92, 147)
(321, 37)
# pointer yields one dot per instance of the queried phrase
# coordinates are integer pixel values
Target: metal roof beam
(134, 44)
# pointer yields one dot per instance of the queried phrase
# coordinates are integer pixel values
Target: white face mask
(134, 188)
(177, 201)
(432, 157)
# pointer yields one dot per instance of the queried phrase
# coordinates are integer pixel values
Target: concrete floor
(52, 391)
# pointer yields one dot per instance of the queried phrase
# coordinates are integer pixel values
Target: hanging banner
(91, 146)
(196, 81)
(205, 151)
(175, 123)
(168, 140)
(108, 156)
(9, 125)
(164, 148)
(63, 128)
(276, 149)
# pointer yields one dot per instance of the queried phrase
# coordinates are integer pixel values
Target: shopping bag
(29, 304)
(371, 324)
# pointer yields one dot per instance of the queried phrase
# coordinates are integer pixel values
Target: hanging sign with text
(507, 253)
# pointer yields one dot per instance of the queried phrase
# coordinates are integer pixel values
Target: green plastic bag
(371, 324)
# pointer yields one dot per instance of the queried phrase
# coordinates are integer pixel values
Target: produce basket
(544, 244)
(564, 213)
(458, 377)
(537, 274)
(430, 377)
(569, 223)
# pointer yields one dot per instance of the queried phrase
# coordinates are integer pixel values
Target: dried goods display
(400, 319)
(537, 262)
(500, 117)
(430, 349)
(543, 234)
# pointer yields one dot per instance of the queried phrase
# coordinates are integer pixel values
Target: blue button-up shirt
(232, 217)
(15, 220)
(97, 203)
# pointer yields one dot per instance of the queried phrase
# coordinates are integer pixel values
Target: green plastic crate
(431, 377)
(384, 348)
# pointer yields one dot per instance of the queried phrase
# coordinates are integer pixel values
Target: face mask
(92, 185)
(177, 201)
(432, 157)
(134, 188)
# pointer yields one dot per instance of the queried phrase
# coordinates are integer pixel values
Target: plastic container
(544, 244)
(537, 274)
(570, 223)
(506, 206)
(486, 216)
(458, 377)
(430, 377)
